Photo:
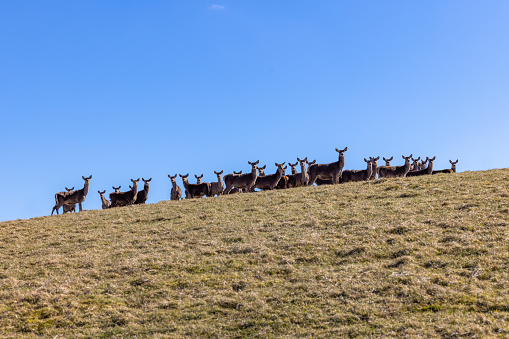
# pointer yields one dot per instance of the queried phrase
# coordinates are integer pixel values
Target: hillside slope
(415, 257)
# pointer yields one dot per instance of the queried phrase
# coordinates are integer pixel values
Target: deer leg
(80, 206)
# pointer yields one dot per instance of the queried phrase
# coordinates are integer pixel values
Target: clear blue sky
(128, 89)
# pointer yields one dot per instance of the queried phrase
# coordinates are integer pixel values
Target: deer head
(453, 165)
(261, 170)
(218, 173)
(116, 189)
(101, 193)
(69, 189)
(240, 172)
(388, 161)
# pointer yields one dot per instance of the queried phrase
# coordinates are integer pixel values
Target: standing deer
(198, 178)
(72, 197)
(268, 182)
(425, 171)
(448, 170)
(358, 175)
(217, 187)
(374, 166)
(299, 179)
(176, 192)
(105, 203)
(143, 195)
(241, 180)
(125, 198)
(328, 171)
(195, 190)
(395, 171)
(388, 161)
(69, 208)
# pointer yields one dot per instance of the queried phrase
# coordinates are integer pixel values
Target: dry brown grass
(416, 257)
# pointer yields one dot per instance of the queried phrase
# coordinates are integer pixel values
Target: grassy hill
(415, 257)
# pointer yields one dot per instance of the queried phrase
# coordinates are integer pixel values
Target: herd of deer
(321, 174)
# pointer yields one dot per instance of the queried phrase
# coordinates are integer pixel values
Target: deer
(143, 194)
(388, 161)
(217, 187)
(235, 190)
(374, 166)
(105, 203)
(448, 170)
(293, 167)
(125, 198)
(69, 208)
(268, 182)
(422, 165)
(395, 171)
(176, 192)
(261, 171)
(116, 189)
(283, 182)
(246, 180)
(415, 164)
(195, 190)
(358, 175)
(299, 179)
(425, 171)
(198, 178)
(328, 171)
(72, 197)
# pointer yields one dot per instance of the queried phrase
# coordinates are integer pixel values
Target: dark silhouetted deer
(328, 171)
(72, 197)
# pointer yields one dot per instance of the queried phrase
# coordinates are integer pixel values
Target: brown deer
(241, 180)
(116, 189)
(240, 172)
(374, 166)
(395, 171)
(195, 190)
(198, 178)
(105, 203)
(268, 182)
(422, 165)
(142, 196)
(299, 179)
(293, 167)
(176, 192)
(261, 171)
(217, 187)
(125, 198)
(415, 164)
(448, 170)
(69, 208)
(72, 197)
(358, 175)
(388, 161)
(328, 171)
(425, 171)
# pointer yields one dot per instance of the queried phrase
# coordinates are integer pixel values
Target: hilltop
(416, 257)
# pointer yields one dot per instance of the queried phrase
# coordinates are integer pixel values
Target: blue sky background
(128, 89)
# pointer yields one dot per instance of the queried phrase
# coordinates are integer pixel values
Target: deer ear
(366, 160)
(391, 158)
(149, 180)
(403, 157)
(434, 158)
(83, 177)
(169, 176)
(345, 149)
(378, 157)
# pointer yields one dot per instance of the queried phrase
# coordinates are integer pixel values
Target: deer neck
(341, 161)
(303, 172)
(146, 188)
(220, 181)
(407, 166)
(174, 185)
(369, 169)
(103, 199)
(85, 189)
(254, 172)
(430, 167)
(185, 182)
(135, 187)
